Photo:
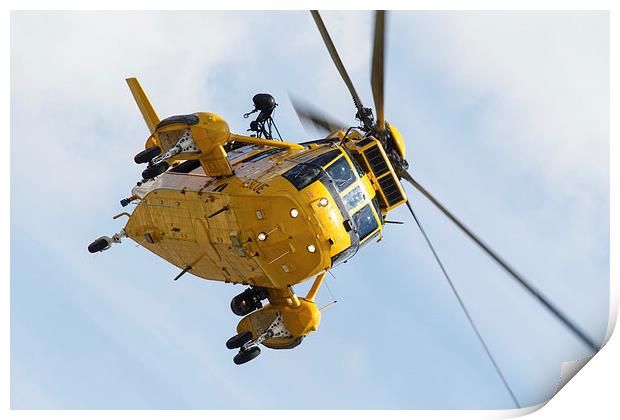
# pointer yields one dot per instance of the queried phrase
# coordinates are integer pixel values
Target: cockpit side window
(356, 165)
(325, 158)
(340, 171)
(353, 198)
(308, 172)
(302, 175)
(365, 222)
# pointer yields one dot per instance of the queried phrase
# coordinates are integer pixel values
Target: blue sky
(506, 117)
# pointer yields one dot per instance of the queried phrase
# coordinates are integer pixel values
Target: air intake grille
(390, 190)
(390, 193)
(376, 160)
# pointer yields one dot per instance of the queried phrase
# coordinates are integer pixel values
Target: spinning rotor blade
(499, 260)
(308, 115)
(336, 59)
(377, 76)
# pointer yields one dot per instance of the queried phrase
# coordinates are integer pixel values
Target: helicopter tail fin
(146, 108)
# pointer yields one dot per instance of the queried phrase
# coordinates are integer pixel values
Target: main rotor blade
(336, 59)
(499, 260)
(309, 115)
(377, 75)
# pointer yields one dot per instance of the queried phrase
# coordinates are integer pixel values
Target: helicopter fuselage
(260, 212)
(284, 215)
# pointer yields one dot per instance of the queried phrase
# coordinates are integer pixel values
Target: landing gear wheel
(245, 356)
(98, 245)
(239, 340)
(248, 301)
(155, 170)
(147, 155)
(242, 305)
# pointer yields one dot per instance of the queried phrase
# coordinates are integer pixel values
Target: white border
(593, 393)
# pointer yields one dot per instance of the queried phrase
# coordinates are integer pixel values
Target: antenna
(264, 104)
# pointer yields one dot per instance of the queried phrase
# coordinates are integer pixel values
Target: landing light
(294, 213)
(262, 236)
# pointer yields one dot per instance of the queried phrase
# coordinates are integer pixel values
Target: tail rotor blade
(377, 73)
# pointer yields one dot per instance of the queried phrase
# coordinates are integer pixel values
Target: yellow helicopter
(266, 213)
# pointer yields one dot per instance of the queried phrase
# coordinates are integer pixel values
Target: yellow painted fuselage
(263, 213)
(214, 225)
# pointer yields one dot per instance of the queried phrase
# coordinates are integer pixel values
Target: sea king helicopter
(269, 214)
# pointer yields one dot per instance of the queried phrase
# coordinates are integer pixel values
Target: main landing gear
(248, 301)
(154, 168)
(248, 348)
(158, 162)
(246, 353)
(241, 305)
(281, 324)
